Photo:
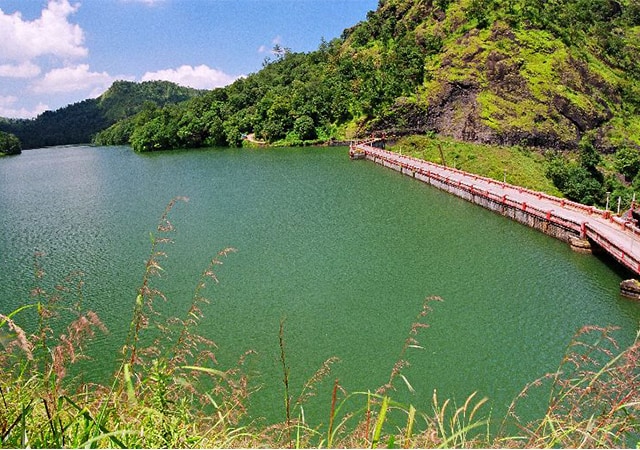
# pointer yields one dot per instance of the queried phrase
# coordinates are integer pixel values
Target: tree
(280, 52)
(577, 181)
(589, 157)
(304, 128)
(627, 162)
(161, 133)
(479, 10)
(9, 144)
(580, 186)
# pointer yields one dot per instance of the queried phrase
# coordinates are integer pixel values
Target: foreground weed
(444, 428)
(296, 432)
(166, 391)
(169, 386)
(594, 399)
(37, 408)
(458, 426)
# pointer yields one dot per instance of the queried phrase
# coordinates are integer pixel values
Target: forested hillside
(79, 123)
(526, 72)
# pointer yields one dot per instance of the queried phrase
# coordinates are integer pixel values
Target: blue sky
(57, 52)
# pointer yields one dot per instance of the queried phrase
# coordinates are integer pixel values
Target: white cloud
(145, 2)
(73, 79)
(51, 34)
(275, 41)
(199, 77)
(7, 101)
(26, 69)
(8, 109)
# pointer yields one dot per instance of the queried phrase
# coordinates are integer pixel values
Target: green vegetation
(168, 391)
(524, 73)
(78, 123)
(580, 180)
(517, 165)
(9, 144)
(586, 176)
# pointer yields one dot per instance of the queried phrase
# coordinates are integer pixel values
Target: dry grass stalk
(410, 342)
(594, 397)
(20, 340)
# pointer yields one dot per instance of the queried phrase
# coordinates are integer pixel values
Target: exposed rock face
(456, 113)
(504, 86)
(583, 120)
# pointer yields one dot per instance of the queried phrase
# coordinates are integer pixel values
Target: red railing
(582, 229)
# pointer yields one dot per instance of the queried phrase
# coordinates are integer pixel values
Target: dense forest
(78, 123)
(537, 73)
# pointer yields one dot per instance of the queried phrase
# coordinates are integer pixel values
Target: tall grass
(169, 391)
(594, 396)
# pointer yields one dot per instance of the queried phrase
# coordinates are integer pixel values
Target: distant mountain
(80, 122)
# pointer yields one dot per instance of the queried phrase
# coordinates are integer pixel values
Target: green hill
(537, 73)
(523, 72)
(79, 122)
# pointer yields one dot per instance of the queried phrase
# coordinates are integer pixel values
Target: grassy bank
(168, 390)
(518, 165)
(583, 175)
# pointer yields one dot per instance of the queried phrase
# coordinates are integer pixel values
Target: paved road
(618, 237)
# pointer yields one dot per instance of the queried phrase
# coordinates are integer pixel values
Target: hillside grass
(520, 166)
(168, 391)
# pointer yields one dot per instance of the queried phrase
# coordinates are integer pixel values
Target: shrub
(305, 128)
(627, 162)
(9, 144)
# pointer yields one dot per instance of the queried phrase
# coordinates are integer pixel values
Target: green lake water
(344, 251)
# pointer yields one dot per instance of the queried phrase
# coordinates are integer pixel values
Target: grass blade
(382, 415)
(410, 422)
(208, 370)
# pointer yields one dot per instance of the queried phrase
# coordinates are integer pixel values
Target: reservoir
(344, 252)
